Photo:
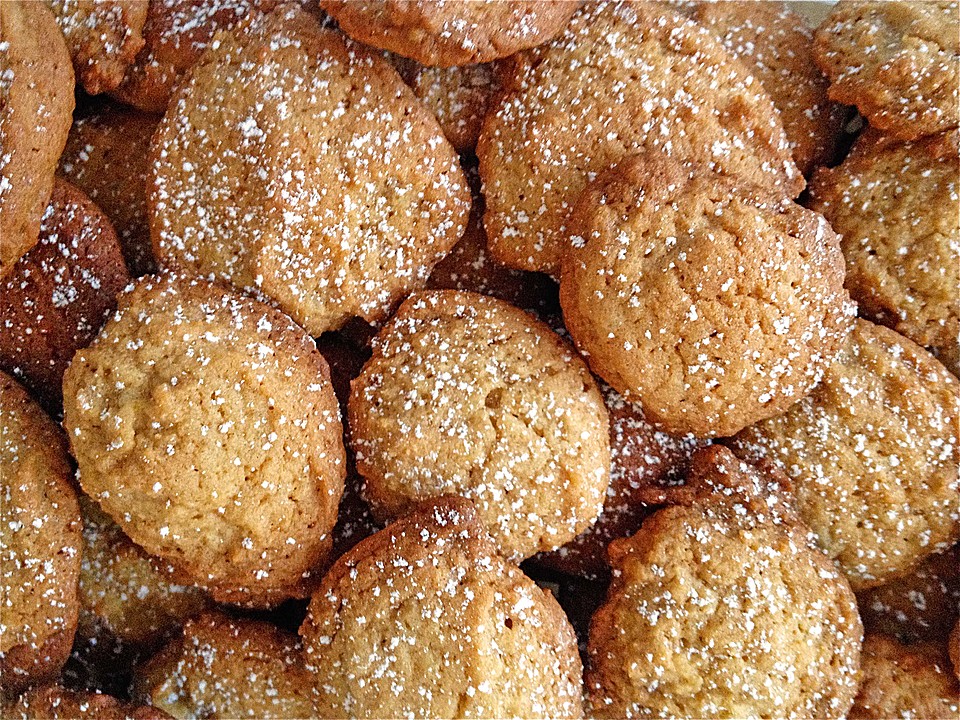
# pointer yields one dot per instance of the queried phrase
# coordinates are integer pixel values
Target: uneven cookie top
(301, 167)
(52, 702)
(467, 395)
(425, 619)
(724, 607)
(205, 425)
(228, 668)
(873, 456)
(622, 77)
(895, 206)
(451, 32)
(721, 301)
(898, 62)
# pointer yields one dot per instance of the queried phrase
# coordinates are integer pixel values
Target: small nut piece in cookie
(724, 607)
(204, 423)
(467, 395)
(425, 619)
(720, 301)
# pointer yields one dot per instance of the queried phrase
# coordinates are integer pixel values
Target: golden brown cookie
(107, 157)
(228, 668)
(39, 542)
(205, 425)
(52, 702)
(898, 62)
(776, 44)
(467, 395)
(36, 101)
(920, 606)
(450, 32)
(425, 619)
(58, 295)
(319, 181)
(724, 607)
(900, 681)
(103, 37)
(623, 77)
(709, 301)
(873, 456)
(895, 206)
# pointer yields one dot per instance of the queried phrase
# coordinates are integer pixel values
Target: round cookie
(900, 681)
(873, 456)
(898, 62)
(895, 206)
(245, 166)
(205, 425)
(623, 77)
(228, 668)
(721, 301)
(724, 607)
(467, 395)
(107, 157)
(58, 295)
(450, 32)
(52, 702)
(425, 619)
(39, 542)
(103, 37)
(36, 102)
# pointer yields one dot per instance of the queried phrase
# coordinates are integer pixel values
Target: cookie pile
(504, 358)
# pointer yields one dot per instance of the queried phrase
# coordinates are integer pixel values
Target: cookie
(244, 166)
(36, 102)
(642, 461)
(52, 702)
(103, 37)
(621, 78)
(724, 607)
(722, 302)
(205, 425)
(467, 395)
(920, 606)
(107, 156)
(899, 63)
(58, 295)
(228, 668)
(894, 204)
(449, 32)
(776, 44)
(873, 456)
(902, 681)
(39, 542)
(425, 619)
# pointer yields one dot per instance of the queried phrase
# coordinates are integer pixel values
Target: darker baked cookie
(450, 32)
(40, 543)
(425, 619)
(52, 702)
(58, 295)
(621, 78)
(709, 301)
(898, 62)
(724, 607)
(954, 648)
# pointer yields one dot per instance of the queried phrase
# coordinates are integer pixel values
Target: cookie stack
(506, 358)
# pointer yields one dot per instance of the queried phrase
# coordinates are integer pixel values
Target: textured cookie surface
(450, 32)
(36, 101)
(319, 180)
(205, 425)
(467, 395)
(898, 62)
(895, 206)
(40, 542)
(724, 608)
(58, 295)
(721, 301)
(873, 456)
(52, 702)
(621, 78)
(425, 619)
